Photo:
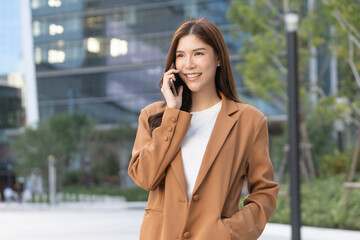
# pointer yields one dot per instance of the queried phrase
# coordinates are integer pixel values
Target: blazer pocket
(151, 211)
(152, 224)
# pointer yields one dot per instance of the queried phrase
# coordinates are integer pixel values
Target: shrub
(130, 193)
(322, 205)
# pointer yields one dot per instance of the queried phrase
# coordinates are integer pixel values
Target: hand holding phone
(172, 88)
(175, 83)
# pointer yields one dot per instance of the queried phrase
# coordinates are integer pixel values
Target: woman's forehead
(192, 42)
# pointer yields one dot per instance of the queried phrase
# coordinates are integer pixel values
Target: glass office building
(10, 117)
(11, 110)
(105, 58)
(10, 107)
(11, 78)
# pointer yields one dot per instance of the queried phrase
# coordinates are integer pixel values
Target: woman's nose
(189, 63)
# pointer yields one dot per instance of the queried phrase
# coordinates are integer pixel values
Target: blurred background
(74, 75)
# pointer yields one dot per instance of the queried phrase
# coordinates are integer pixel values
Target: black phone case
(178, 81)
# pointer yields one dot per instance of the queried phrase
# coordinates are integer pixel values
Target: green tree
(32, 149)
(114, 152)
(325, 28)
(66, 137)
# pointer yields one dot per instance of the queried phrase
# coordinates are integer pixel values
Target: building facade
(10, 117)
(11, 86)
(10, 107)
(104, 59)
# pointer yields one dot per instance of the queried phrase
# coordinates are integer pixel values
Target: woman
(194, 150)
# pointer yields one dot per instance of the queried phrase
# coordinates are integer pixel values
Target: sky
(10, 37)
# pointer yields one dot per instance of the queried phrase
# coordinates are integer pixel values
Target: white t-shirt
(195, 142)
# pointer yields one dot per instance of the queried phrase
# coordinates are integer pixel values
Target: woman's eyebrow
(194, 50)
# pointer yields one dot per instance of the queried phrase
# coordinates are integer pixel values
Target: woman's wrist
(173, 105)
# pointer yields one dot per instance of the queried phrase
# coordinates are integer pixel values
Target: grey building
(105, 58)
(10, 117)
(11, 110)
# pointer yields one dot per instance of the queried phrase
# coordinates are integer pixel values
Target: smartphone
(174, 84)
(173, 88)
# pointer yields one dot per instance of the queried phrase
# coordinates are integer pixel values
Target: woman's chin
(193, 86)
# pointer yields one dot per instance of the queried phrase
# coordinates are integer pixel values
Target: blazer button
(169, 129)
(166, 138)
(187, 235)
(196, 197)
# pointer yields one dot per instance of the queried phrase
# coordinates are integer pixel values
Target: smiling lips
(192, 76)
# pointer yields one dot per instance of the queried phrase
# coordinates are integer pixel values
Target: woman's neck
(204, 101)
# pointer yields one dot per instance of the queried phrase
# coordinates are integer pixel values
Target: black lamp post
(291, 23)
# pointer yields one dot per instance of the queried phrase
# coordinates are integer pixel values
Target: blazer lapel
(222, 127)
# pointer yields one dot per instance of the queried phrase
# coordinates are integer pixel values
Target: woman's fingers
(171, 100)
(171, 74)
(167, 76)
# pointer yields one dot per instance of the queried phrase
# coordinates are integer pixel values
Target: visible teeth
(193, 75)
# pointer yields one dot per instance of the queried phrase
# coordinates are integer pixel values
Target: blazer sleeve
(151, 155)
(249, 222)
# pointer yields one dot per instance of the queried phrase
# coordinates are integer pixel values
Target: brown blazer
(238, 147)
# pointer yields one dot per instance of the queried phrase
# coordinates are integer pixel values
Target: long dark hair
(224, 79)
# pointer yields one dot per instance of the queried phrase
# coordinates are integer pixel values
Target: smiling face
(197, 63)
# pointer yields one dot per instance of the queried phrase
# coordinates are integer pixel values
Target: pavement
(110, 220)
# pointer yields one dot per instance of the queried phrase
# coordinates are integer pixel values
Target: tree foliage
(84, 155)
(331, 28)
(113, 152)
(62, 137)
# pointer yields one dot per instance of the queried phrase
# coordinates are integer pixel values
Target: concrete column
(31, 99)
(52, 179)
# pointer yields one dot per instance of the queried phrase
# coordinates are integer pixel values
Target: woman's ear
(218, 60)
